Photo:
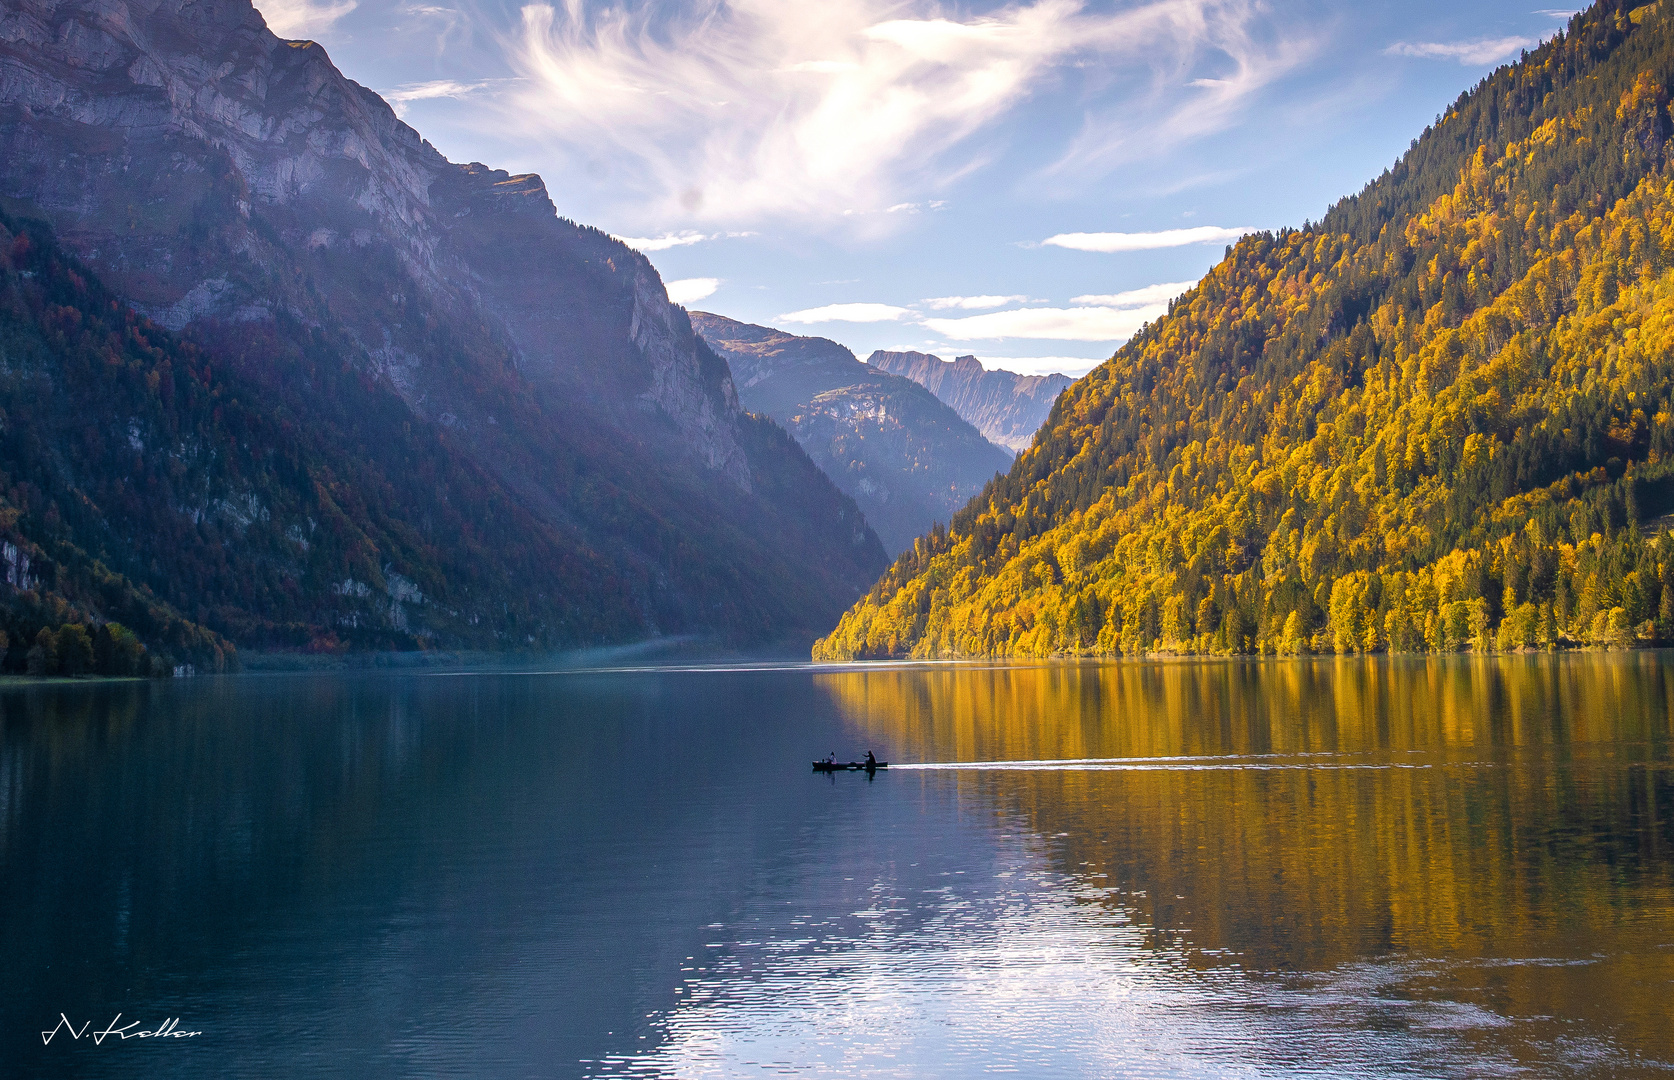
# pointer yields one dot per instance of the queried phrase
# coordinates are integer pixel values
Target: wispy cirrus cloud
(1145, 241)
(447, 24)
(402, 96)
(294, 19)
(971, 303)
(1470, 53)
(1138, 122)
(742, 109)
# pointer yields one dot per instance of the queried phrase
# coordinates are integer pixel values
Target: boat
(849, 766)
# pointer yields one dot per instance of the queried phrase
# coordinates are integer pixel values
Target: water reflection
(1492, 832)
(1369, 868)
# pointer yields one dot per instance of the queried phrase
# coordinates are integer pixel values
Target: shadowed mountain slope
(1438, 419)
(1006, 407)
(581, 470)
(906, 458)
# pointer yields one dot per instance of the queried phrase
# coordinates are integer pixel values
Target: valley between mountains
(276, 376)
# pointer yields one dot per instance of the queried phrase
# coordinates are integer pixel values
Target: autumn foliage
(1438, 419)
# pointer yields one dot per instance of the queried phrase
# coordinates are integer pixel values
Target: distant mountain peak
(1006, 407)
(907, 458)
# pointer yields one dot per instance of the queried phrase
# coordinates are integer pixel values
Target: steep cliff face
(199, 162)
(906, 458)
(238, 189)
(1006, 407)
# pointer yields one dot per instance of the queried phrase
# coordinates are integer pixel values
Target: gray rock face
(703, 404)
(211, 171)
(239, 189)
(906, 459)
(1006, 407)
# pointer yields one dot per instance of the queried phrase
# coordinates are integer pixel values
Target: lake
(1456, 866)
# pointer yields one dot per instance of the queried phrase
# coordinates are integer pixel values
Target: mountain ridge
(1006, 407)
(905, 457)
(280, 223)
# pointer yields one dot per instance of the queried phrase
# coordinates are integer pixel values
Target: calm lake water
(1450, 867)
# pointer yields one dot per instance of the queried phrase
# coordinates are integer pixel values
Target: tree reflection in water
(1494, 831)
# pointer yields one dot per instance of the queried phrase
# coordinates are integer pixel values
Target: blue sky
(1026, 182)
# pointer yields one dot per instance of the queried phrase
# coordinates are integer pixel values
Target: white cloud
(1471, 53)
(861, 313)
(1150, 294)
(440, 88)
(664, 242)
(684, 238)
(401, 96)
(691, 290)
(823, 67)
(899, 208)
(449, 25)
(1053, 324)
(1146, 108)
(1111, 318)
(971, 303)
(750, 108)
(1073, 366)
(1146, 241)
(295, 19)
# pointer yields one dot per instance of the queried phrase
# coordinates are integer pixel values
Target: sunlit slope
(1438, 419)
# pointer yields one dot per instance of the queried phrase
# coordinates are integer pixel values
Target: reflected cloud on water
(1036, 973)
(1456, 867)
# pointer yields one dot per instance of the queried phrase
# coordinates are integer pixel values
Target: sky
(1028, 183)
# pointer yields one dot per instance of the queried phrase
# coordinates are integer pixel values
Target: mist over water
(1385, 867)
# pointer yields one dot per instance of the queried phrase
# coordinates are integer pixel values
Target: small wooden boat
(849, 766)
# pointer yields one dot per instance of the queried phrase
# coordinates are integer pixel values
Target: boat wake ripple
(1180, 764)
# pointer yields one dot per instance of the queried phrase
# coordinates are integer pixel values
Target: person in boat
(871, 762)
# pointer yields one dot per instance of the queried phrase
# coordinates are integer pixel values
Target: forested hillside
(1438, 419)
(269, 494)
(138, 469)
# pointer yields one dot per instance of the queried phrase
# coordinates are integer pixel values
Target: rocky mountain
(1006, 407)
(907, 459)
(1441, 418)
(535, 447)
